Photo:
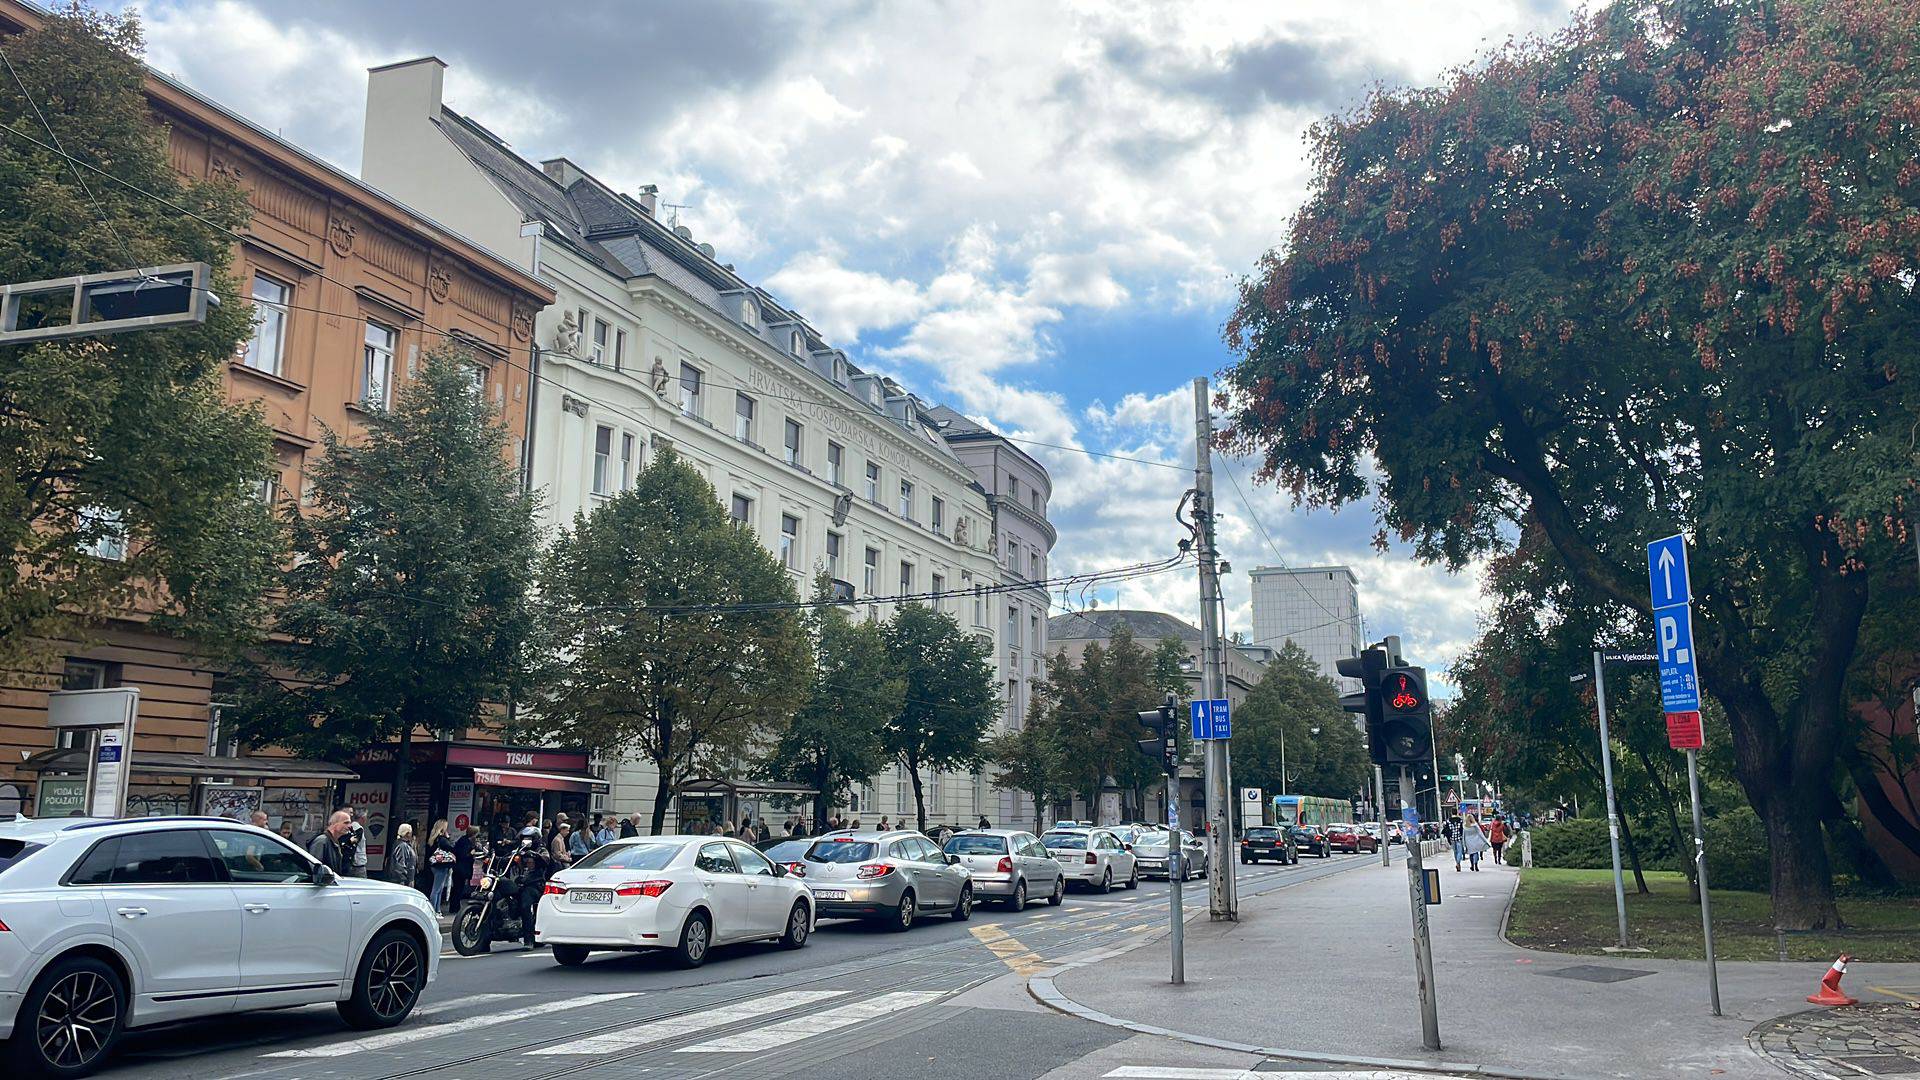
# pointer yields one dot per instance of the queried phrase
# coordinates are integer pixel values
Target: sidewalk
(1324, 970)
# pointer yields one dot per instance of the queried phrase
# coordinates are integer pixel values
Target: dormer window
(839, 371)
(749, 312)
(797, 343)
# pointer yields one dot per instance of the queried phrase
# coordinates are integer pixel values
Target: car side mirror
(952, 859)
(324, 875)
(779, 871)
(1126, 847)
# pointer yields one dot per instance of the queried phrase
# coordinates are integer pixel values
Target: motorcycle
(492, 911)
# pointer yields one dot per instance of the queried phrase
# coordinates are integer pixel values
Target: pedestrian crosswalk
(791, 1031)
(476, 1018)
(1176, 1072)
(678, 1027)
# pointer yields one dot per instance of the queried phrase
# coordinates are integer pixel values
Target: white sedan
(1096, 858)
(681, 893)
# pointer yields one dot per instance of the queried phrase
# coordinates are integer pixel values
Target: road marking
(407, 1035)
(1173, 1072)
(791, 1031)
(1905, 993)
(674, 1027)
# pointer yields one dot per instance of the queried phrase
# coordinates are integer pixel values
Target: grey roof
(1147, 626)
(954, 423)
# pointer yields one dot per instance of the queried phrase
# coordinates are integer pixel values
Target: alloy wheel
(797, 925)
(696, 940)
(77, 1018)
(393, 982)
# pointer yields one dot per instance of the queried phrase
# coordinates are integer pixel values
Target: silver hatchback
(1009, 866)
(892, 876)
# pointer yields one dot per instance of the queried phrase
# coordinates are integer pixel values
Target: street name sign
(1669, 585)
(1210, 719)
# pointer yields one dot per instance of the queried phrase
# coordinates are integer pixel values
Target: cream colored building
(653, 341)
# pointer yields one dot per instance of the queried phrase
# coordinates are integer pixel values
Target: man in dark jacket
(630, 826)
(325, 844)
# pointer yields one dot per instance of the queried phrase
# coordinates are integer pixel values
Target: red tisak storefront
(487, 784)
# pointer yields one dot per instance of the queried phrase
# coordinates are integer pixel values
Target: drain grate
(1594, 973)
(1883, 1064)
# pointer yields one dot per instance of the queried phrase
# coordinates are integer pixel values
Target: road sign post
(1613, 816)
(1669, 583)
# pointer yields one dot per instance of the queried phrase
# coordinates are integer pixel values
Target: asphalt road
(943, 1000)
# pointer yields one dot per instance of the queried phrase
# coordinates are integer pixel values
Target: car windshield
(786, 850)
(1067, 840)
(1154, 841)
(841, 850)
(641, 856)
(12, 851)
(1263, 833)
(977, 845)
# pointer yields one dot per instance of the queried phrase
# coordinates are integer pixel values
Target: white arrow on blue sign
(1667, 572)
(1673, 624)
(1210, 719)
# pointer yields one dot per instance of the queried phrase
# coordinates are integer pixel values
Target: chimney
(562, 172)
(649, 199)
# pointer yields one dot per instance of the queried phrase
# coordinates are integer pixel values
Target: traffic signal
(1367, 667)
(1406, 725)
(1164, 746)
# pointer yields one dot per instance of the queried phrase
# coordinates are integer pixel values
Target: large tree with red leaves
(1653, 274)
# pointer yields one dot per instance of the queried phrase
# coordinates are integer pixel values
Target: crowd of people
(1470, 837)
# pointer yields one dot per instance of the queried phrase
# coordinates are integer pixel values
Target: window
(626, 460)
(870, 580)
(602, 458)
(906, 578)
(1013, 698)
(256, 860)
(1033, 630)
(939, 517)
(689, 389)
(836, 464)
(376, 369)
(619, 350)
(938, 586)
(741, 510)
(900, 792)
(797, 343)
(1033, 566)
(1036, 502)
(1013, 555)
(103, 534)
(833, 555)
(174, 857)
(906, 498)
(791, 441)
(743, 417)
(979, 611)
(265, 350)
(751, 862)
(1013, 485)
(716, 859)
(1013, 626)
(749, 312)
(789, 541)
(873, 481)
(267, 489)
(597, 346)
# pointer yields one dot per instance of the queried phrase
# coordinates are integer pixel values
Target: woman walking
(440, 860)
(1474, 842)
(403, 862)
(1497, 839)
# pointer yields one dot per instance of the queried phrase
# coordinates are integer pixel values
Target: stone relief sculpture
(566, 339)
(960, 531)
(662, 382)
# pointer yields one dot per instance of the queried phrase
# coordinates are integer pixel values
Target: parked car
(1311, 840)
(111, 925)
(1095, 858)
(1343, 836)
(685, 894)
(1151, 851)
(1267, 843)
(1009, 866)
(894, 876)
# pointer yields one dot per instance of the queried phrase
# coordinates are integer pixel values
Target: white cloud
(842, 303)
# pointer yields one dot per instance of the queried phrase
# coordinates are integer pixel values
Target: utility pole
(1222, 895)
(1606, 773)
(1422, 943)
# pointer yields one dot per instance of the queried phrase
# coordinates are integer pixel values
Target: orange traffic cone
(1830, 986)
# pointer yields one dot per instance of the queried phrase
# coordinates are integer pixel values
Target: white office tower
(1315, 607)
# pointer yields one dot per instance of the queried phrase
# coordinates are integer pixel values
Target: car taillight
(874, 870)
(1244, 843)
(553, 890)
(642, 888)
(1005, 865)
(5, 929)
(796, 869)
(1091, 859)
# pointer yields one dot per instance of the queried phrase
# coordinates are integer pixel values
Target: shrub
(1737, 852)
(1581, 844)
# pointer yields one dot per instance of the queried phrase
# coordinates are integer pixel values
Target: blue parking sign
(1673, 645)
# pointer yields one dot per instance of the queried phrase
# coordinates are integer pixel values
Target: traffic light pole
(1380, 814)
(1422, 940)
(1222, 895)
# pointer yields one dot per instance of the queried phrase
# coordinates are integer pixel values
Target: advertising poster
(229, 801)
(459, 805)
(377, 801)
(64, 796)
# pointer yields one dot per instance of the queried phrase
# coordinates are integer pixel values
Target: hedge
(1736, 848)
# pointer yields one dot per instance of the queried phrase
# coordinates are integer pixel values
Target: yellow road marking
(1899, 992)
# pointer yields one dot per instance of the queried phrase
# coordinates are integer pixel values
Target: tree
(121, 445)
(1033, 761)
(949, 696)
(835, 739)
(653, 637)
(1653, 275)
(1094, 707)
(407, 604)
(1295, 703)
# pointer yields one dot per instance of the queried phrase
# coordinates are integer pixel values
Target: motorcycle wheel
(472, 933)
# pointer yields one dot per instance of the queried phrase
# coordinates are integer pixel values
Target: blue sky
(1033, 212)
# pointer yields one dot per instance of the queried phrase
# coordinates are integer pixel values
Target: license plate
(591, 896)
(830, 894)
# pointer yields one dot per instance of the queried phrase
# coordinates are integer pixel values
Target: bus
(1310, 810)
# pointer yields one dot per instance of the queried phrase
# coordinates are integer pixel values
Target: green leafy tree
(1094, 706)
(407, 604)
(836, 738)
(1032, 761)
(1652, 275)
(949, 696)
(120, 445)
(636, 663)
(1295, 703)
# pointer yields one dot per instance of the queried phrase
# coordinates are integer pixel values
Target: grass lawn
(1572, 911)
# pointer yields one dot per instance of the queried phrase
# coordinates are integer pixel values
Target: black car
(1262, 843)
(1310, 839)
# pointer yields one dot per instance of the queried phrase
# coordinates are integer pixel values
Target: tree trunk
(1801, 882)
(662, 791)
(1892, 819)
(821, 798)
(1682, 843)
(919, 797)
(1633, 854)
(1847, 839)
(397, 799)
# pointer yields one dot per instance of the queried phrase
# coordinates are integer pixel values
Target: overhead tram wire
(1226, 466)
(426, 328)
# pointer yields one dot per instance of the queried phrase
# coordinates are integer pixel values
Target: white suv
(109, 925)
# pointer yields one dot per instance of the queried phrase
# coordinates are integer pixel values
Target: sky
(1035, 212)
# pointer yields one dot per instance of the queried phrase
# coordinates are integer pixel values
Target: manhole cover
(1594, 973)
(1884, 1064)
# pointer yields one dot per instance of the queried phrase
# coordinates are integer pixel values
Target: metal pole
(1283, 760)
(1613, 816)
(1422, 940)
(1379, 814)
(1222, 903)
(1700, 875)
(1176, 869)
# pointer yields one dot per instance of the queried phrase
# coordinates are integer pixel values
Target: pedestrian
(560, 849)
(1497, 839)
(1454, 833)
(799, 827)
(257, 819)
(577, 844)
(606, 834)
(465, 846)
(358, 849)
(833, 822)
(1474, 842)
(286, 828)
(325, 845)
(984, 823)
(630, 826)
(748, 833)
(403, 861)
(440, 860)
(856, 824)
(885, 825)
